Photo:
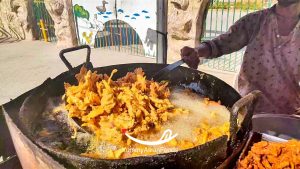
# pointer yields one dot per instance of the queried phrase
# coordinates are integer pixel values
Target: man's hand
(191, 56)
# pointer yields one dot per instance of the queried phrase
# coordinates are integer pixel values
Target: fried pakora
(271, 155)
(130, 104)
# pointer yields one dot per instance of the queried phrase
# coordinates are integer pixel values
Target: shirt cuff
(214, 49)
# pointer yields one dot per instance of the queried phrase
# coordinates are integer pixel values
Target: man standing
(271, 61)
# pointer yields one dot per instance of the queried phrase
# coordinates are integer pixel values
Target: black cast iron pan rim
(140, 159)
(235, 109)
(250, 99)
(41, 90)
(266, 115)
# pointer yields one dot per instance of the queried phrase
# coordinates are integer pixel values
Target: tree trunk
(16, 18)
(185, 24)
(62, 15)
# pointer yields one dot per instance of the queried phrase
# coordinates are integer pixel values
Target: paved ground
(25, 65)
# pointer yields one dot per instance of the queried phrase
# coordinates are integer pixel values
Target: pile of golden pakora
(271, 155)
(132, 104)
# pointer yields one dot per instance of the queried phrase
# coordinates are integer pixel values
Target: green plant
(80, 12)
(238, 5)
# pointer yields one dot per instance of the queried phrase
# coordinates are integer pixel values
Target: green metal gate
(221, 15)
(43, 21)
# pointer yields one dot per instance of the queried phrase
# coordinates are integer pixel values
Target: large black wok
(24, 113)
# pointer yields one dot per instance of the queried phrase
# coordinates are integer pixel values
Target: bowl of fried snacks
(272, 155)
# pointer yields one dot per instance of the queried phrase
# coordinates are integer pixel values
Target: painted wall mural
(117, 22)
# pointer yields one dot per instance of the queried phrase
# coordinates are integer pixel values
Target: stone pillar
(24, 11)
(185, 23)
(16, 19)
(62, 15)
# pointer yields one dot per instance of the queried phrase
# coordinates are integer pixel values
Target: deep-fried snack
(269, 155)
(133, 104)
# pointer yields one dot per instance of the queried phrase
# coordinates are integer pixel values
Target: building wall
(91, 16)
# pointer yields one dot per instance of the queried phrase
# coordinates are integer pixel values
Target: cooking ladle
(166, 70)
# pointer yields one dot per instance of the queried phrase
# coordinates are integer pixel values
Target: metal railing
(120, 36)
(44, 23)
(221, 15)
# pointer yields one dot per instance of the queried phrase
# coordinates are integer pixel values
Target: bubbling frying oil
(200, 111)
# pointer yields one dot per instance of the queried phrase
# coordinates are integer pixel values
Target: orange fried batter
(133, 104)
(269, 155)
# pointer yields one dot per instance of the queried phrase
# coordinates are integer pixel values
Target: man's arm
(237, 37)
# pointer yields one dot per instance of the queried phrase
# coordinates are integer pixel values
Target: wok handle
(67, 50)
(250, 101)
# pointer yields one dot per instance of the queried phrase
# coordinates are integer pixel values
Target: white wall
(140, 14)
